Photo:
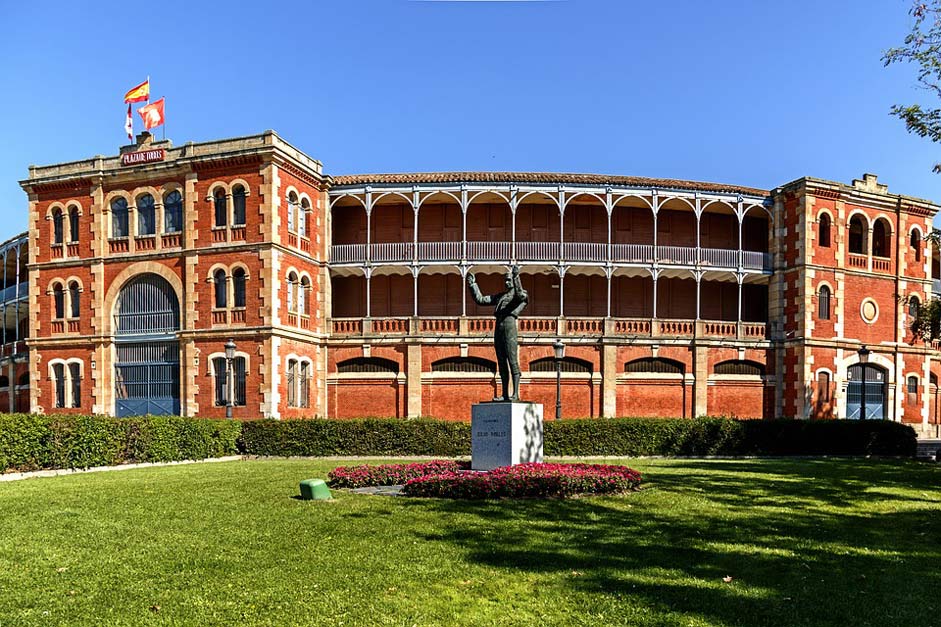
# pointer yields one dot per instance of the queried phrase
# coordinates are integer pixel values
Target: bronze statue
(507, 307)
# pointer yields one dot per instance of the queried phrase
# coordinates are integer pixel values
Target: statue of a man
(507, 307)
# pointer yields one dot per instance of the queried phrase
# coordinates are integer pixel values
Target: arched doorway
(147, 368)
(865, 392)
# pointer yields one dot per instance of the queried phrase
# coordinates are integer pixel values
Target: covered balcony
(631, 302)
(540, 227)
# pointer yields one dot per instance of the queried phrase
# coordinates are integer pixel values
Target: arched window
(292, 212)
(238, 284)
(218, 279)
(292, 282)
(823, 303)
(742, 367)
(464, 364)
(912, 389)
(58, 376)
(880, 239)
(824, 230)
(915, 242)
(858, 234)
(58, 300)
(75, 308)
(292, 383)
(73, 224)
(221, 208)
(119, 217)
(173, 212)
(358, 365)
(146, 215)
(57, 225)
(655, 365)
(913, 306)
(303, 386)
(302, 291)
(568, 364)
(238, 381)
(823, 387)
(302, 218)
(238, 205)
(75, 383)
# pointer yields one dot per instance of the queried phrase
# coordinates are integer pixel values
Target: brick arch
(145, 189)
(115, 194)
(212, 271)
(143, 267)
(215, 185)
(52, 207)
(243, 183)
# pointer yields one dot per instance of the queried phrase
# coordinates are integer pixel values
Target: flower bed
(389, 474)
(527, 481)
(450, 479)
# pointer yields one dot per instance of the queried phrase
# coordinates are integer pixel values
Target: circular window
(869, 310)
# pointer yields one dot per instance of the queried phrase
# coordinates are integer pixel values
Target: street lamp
(229, 356)
(559, 349)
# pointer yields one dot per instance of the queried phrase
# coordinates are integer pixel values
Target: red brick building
(346, 296)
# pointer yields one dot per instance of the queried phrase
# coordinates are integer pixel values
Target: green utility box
(315, 490)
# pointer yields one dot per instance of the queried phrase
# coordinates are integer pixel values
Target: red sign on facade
(144, 156)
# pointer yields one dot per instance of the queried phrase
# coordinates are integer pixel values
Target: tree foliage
(922, 46)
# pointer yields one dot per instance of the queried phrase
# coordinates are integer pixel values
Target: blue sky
(750, 93)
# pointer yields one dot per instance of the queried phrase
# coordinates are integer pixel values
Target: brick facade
(672, 298)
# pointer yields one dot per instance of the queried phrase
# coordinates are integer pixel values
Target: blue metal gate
(147, 368)
(865, 392)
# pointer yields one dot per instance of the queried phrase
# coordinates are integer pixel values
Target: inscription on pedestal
(503, 434)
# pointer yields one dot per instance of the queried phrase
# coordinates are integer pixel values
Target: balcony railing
(552, 326)
(587, 252)
(8, 294)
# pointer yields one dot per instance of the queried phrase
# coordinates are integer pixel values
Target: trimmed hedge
(373, 436)
(34, 442)
(614, 437)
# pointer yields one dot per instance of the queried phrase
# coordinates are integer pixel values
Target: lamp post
(229, 356)
(863, 353)
(559, 349)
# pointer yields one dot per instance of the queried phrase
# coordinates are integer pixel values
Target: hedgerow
(36, 442)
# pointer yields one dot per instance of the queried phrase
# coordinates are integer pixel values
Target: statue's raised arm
(508, 305)
(479, 298)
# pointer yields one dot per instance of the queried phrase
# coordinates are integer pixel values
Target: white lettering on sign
(144, 156)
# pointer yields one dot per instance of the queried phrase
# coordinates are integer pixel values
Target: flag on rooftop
(152, 114)
(139, 93)
(129, 124)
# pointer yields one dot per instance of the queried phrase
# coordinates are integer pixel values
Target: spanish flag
(139, 93)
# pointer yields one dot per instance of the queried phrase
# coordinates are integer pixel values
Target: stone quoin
(346, 295)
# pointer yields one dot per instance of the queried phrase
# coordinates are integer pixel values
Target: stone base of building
(504, 434)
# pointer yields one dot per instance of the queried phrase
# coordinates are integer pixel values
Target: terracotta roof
(415, 178)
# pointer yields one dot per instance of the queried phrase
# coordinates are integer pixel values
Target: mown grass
(806, 542)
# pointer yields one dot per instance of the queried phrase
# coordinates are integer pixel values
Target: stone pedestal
(503, 434)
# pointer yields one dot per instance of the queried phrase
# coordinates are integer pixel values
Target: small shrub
(526, 481)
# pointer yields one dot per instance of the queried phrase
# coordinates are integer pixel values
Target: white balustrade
(394, 251)
(718, 257)
(537, 251)
(348, 253)
(439, 251)
(488, 251)
(584, 251)
(683, 255)
(635, 253)
(755, 260)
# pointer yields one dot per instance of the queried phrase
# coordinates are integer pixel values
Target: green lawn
(806, 542)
